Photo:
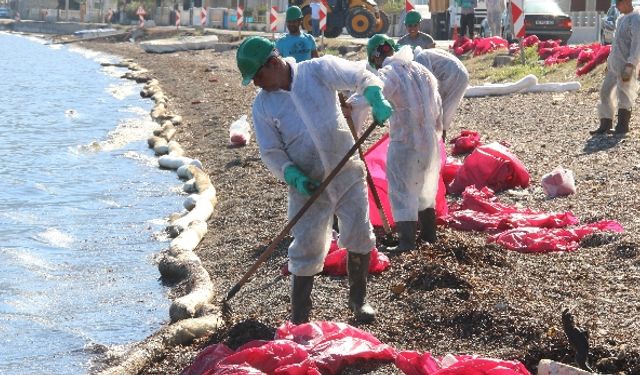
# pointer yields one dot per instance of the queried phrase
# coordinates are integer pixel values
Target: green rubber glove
(380, 107)
(296, 178)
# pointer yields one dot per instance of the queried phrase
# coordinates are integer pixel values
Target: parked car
(608, 23)
(5, 13)
(542, 18)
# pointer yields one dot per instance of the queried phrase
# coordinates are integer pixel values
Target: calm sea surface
(82, 206)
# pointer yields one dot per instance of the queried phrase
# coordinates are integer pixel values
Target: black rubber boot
(406, 237)
(624, 116)
(301, 299)
(358, 270)
(427, 218)
(605, 126)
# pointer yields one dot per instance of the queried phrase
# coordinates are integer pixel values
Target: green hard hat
(413, 17)
(378, 40)
(293, 13)
(251, 55)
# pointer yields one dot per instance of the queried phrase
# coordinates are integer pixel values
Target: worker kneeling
(302, 137)
(413, 158)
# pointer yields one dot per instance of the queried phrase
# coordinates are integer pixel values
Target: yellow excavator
(362, 18)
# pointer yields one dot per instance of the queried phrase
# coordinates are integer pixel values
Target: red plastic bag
(335, 263)
(332, 346)
(540, 240)
(493, 166)
(466, 142)
(450, 170)
(257, 357)
(376, 158)
(414, 363)
(481, 211)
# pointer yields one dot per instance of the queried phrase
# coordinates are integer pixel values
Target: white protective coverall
(305, 127)
(625, 49)
(413, 158)
(453, 79)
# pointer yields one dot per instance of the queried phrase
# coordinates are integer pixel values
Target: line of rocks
(192, 315)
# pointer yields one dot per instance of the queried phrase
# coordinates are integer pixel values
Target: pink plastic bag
(493, 166)
(335, 263)
(414, 363)
(541, 240)
(558, 182)
(332, 346)
(466, 142)
(376, 158)
(239, 132)
(450, 169)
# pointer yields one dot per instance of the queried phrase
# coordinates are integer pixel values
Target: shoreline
(519, 323)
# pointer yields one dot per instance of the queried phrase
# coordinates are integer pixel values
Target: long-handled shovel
(388, 240)
(232, 292)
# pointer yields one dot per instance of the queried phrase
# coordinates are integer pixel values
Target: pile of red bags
(491, 165)
(327, 348)
(522, 229)
(588, 55)
(479, 46)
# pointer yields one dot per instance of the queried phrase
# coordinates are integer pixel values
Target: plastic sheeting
(481, 211)
(558, 182)
(466, 142)
(327, 348)
(491, 165)
(335, 263)
(414, 363)
(542, 240)
(376, 158)
(479, 46)
(522, 229)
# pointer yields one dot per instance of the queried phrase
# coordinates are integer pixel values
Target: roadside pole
(517, 24)
(239, 18)
(323, 22)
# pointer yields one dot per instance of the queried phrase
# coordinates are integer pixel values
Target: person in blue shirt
(296, 43)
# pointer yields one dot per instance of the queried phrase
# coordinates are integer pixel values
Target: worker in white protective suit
(302, 137)
(621, 81)
(453, 79)
(413, 157)
(494, 16)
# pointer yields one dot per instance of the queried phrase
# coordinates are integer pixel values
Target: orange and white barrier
(240, 16)
(141, 13)
(408, 6)
(273, 19)
(323, 15)
(517, 17)
(203, 17)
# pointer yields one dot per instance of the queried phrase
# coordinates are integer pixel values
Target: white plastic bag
(558, 182)
(239, 132)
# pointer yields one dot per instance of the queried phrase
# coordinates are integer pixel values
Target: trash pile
(486, 170)
(588, 56)
(327, 348)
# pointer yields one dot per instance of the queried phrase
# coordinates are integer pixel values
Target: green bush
(392, 6)
(149, 6)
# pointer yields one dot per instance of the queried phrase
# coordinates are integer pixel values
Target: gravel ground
(460, 296)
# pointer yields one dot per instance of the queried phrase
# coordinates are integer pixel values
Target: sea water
(82, 208)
